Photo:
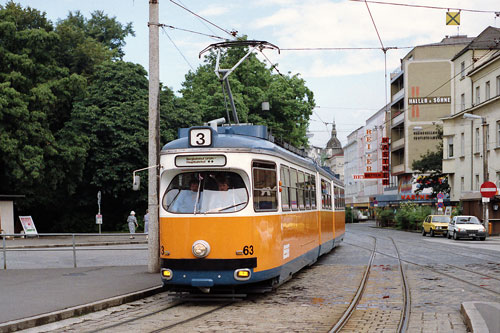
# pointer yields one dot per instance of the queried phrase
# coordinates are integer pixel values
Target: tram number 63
(248, 249)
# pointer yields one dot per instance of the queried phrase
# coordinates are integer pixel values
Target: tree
(252, 83)
(429, 170)
(44, 71)
(113, 122)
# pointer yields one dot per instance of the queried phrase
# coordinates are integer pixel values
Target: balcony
(398, 144)
(396, 169)
(449, 166)
(398, 120)
(397, 96)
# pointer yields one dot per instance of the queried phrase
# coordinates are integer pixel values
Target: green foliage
(350, 215)
(44, 71)
(252, 83)
(458, 210)
(410, 216)
(384, 216)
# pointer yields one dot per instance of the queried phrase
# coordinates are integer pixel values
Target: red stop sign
(488, 190)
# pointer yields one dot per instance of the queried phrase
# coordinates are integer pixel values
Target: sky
(348, 85)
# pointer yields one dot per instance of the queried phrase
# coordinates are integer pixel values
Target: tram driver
(188, 201)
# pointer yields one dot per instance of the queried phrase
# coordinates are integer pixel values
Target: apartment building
(421, 94)
(363, 153)
(475, 119)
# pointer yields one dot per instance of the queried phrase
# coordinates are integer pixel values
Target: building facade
(421, 94)
(475, 124)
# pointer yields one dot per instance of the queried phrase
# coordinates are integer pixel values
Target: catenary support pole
(154, 86)
(485, 172)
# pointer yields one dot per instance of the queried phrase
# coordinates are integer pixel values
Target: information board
(28, 225)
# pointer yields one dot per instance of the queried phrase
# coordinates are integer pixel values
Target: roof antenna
(223, 74)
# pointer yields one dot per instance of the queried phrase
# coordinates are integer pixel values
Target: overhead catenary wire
(429, 7)
(231, 33)
(163, 30)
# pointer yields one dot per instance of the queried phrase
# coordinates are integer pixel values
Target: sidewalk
(33, 297)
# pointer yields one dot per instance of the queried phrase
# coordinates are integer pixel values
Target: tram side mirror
(137, 183)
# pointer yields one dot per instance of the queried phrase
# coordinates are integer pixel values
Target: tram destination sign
(200, 160)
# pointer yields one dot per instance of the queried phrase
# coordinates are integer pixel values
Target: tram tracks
(454, 277)
(406, 296)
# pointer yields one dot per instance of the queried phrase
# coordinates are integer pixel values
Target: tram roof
(244, 137)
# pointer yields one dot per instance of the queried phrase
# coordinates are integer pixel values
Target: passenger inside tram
(208, 192)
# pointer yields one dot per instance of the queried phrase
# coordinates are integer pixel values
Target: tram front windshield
(205, 192)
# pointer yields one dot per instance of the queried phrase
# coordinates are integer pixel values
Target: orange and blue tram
(238, 209)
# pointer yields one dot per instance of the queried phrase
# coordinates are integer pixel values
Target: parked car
(436, 225)
(466, 227)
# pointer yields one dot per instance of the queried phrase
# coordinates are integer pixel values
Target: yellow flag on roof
(452, 18)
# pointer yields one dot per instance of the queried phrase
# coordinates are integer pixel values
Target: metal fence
(68, 242)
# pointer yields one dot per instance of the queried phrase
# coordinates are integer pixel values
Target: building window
(462, 70)
(498, 85)
(462, 102)
(498, 133)
(487, 91)
(450, 147)
(477, 140)
(498, 179)
(477, 182)
(462, 144)
(462, 184)
(478, 95)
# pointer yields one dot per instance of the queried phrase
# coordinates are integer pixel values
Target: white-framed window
(462, 102)
(477, 140)
(498, 85)
(487, 91)
(462, 144)
(477, 182)
(498, 133)
(450, 147)
(498, 179)
(462, 70)
(478, 95)
(462, 184)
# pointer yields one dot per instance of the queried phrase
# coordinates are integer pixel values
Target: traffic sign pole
(488, 190)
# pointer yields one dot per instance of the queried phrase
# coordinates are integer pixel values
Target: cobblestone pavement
(317, 296)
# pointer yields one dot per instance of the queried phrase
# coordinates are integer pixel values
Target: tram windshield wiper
(232, 206)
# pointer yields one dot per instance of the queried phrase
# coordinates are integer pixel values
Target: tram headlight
(200, 249)
(166, 274)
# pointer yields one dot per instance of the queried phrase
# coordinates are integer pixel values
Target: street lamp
(485, 162)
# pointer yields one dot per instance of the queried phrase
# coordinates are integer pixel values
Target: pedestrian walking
(146, 223)
(132, 223)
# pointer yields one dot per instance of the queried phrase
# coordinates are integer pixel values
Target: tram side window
(326, 195)
(301, 190)
(265, 194)
(293, 189)
(342, 199)
(336, 197)
(285, 188)
(313, 192)
(308, 191)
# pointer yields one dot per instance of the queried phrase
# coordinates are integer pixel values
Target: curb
(481, 316)
(47, 318)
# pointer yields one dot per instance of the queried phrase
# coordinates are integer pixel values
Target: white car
(463, 226)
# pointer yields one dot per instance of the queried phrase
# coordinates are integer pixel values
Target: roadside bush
(410, 216)
(384, 216)
(350, 215)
